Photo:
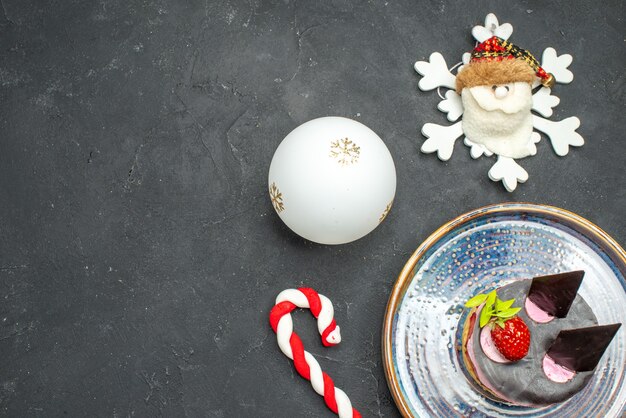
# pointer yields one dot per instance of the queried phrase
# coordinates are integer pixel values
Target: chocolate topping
(554, 294)
(580, 349)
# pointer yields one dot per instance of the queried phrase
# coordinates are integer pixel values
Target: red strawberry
(512, 340)
(508, 331)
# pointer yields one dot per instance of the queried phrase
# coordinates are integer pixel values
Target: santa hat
(496, 61)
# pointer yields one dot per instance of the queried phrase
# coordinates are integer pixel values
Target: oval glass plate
(480, 251)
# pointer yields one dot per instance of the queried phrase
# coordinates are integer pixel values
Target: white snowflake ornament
(495, 92)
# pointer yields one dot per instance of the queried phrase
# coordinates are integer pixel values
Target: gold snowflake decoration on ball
(345, 151)
(277, 198)
(385, 212)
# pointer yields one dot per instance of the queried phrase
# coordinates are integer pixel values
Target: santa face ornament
(496, 91)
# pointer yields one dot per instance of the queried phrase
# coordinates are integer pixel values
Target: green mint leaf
(503, 305)
(491, 298)
(485, 315)
(508, 313)
(476, 300)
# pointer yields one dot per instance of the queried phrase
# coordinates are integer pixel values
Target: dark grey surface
(139, 253)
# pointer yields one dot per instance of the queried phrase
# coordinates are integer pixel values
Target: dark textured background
(139, 252)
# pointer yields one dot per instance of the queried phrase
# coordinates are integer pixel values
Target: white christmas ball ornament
(332, 180)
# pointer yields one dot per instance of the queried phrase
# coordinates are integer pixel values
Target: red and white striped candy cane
(291, 345)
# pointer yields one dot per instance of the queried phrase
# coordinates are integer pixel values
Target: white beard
(503, 126)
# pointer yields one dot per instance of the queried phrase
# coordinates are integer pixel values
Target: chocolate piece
(580, 350)
(554, 294)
